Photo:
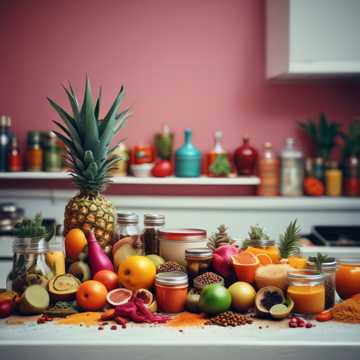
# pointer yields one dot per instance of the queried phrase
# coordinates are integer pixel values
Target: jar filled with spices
(307, 291)
(171, 291)
(127, 239)
(14, 158)
(333, 179)
(152, 224)
(198, 261)
(328, 268)
(34, 153)
(52, 155)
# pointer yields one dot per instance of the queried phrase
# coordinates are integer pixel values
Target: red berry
(114, 327)
(301, 324)
(293, 324)
(309, 325)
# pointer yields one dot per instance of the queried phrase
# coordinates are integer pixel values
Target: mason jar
(29, 264)
(152, 225)
(263, 246)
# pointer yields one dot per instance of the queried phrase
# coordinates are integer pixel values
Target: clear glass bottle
(292, 170)
(150, 237)
(29, 264)
(268, 171)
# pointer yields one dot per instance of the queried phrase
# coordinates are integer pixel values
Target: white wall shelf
(131, 180)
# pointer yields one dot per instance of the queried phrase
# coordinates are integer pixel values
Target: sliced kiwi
(34, 300)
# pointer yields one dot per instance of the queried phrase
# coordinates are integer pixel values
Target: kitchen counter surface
(273, 341)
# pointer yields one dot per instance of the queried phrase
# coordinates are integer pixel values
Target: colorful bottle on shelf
(14, 158)
(218, 163)
(34, 153)
(268, 171)
(5, 123)
(292, 170)
(187, 158)
(351, 174)
(245, 158)
(52, 155)
(333, 180)
(164, 143)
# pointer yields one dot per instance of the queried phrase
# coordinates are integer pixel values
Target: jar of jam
(307, 291)
(198, 261)
(171, 291)
(328, 268)
(174, 242)
(348, 278)
(267, 247)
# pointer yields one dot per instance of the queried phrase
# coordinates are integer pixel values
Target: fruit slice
(119, 296)
(153, 307)
(297, 262)
(282, 311)
(145, 295)
(266, 298)
(122, 249)
(245, 265)
(34, 300)
(264, 259)
(63, 287)
(80, 270)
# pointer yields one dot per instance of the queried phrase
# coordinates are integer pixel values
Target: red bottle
(245, 158)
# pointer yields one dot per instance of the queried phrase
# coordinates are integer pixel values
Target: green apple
(215, 299)
(156, 259)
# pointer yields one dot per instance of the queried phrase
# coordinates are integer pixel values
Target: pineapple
(88, 159)
(221, 237)
(289, 241)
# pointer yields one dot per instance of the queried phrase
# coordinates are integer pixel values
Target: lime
(279, 311)
(214, 299)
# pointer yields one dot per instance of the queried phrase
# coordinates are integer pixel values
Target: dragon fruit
(221, 262)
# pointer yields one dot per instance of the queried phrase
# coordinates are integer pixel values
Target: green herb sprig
(34, 229)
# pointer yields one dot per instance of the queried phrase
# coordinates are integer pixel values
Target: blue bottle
(187, 159)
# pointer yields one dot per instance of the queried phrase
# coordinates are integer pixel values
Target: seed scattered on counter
(229, 318)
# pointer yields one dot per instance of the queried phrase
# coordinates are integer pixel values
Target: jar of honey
(198, 261)
(171, 291)
(267, 247)
(307, 290)
(348, 278)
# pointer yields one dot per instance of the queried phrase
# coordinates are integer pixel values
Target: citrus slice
(245, 265)
(279, 311)
(264, 259)
(297, 262)
(145, 295)
(118, 296)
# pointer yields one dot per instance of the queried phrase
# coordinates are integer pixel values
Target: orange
(137, 272)
(75, 242)
(107, 278)
(91, 295)
(245, 265)
(297, 262)
(264, 259)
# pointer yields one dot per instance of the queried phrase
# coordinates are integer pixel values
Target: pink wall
(191, 63)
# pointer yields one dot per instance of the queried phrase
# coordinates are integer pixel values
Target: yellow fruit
(75, 242)
(137, 272)
(297, 262)
(242, 296)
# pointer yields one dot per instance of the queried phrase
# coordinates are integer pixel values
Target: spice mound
(85, 318)
(187, 319)
(207, 278)
(348, 311)
(229, 318)
(170, 266)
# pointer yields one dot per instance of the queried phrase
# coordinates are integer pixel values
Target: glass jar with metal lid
(348, 278)
(307, 290)
(265, 246)
(328, 268)
(171, 291)
(152, 224)
(174, 242)
(127, 239)
(198, 261)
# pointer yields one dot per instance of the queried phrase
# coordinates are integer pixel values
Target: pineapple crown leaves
(352, 139)
(220, 237)
(88, 138)
(319, 260)
(322, 134)
(256, 233)
(34, 229)
(289, 241)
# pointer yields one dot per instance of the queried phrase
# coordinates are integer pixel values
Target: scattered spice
(121, 321)
(348, 311)
(85, 318)
(43, 319)
(229, 318)
(108, 315)
(187, 319)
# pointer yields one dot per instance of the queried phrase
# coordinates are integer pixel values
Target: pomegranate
(222, 262)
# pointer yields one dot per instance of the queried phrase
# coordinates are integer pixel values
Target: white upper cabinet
(312, 38)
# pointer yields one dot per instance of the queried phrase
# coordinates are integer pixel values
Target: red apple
(6, 307)
(162, 168)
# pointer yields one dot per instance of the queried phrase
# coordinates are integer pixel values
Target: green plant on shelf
(351, 139)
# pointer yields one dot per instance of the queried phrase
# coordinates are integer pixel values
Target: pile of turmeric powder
(348, 311)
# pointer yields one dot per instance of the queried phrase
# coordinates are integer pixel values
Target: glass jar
(34, 153)
(173, 243)
(29, 264)
(152, 225)
(55, 256)
(52, 156)
(267, 247)
(171, 291)
(307, 290)
(348, 278)
(329, 270)
(198, 261)
(127, 240)
(333, 180)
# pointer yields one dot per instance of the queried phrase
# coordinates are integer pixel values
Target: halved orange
(264, 259)
(245, 265)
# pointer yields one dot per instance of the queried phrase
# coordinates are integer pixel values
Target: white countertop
(325, 341)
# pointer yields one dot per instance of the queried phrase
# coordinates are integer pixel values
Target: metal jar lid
(306, 276)
(329, 264)
(201, 253)
(127, 217)
(349, 262)
(154, 219)
(261, 243)
(182, 234)
(173, 278)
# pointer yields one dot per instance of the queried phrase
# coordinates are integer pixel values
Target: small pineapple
(89, 160)
(256, 233)
(221, 237)
(289, 241)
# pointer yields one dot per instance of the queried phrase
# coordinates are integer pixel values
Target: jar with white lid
(174, 242)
